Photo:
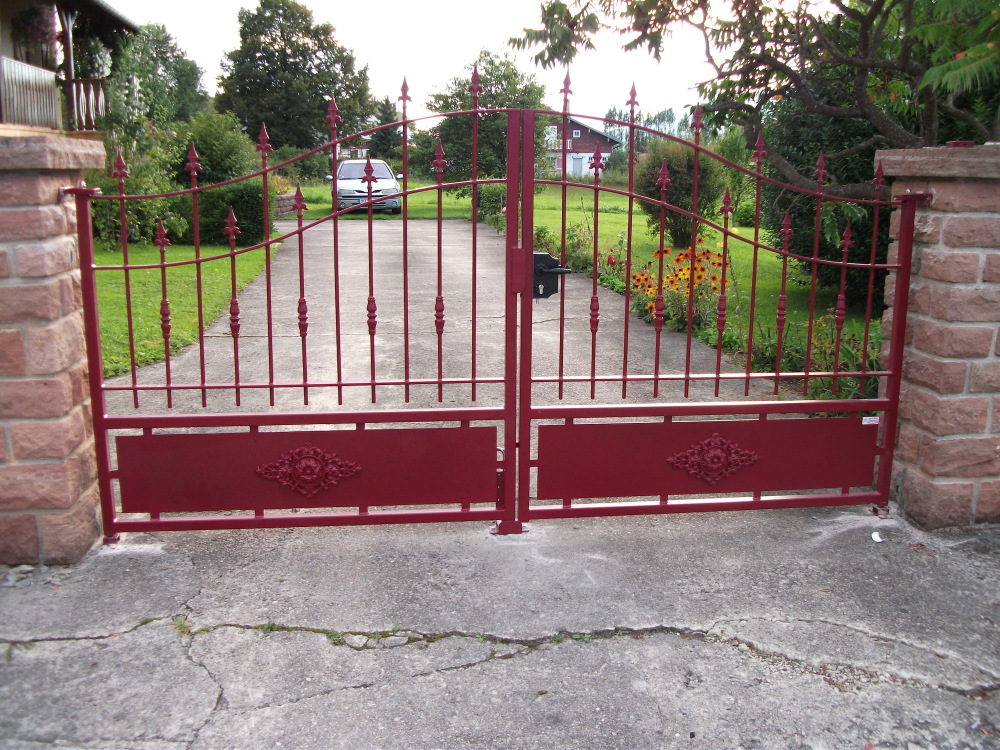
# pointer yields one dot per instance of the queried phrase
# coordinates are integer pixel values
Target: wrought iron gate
(389, 372)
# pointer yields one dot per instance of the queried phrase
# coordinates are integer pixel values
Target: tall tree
(386, 143)
(502, 86)
(284, 73)
(862, 63)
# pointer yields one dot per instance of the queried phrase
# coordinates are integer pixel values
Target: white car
(351, 191)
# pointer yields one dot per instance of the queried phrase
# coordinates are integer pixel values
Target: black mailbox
(546, 277)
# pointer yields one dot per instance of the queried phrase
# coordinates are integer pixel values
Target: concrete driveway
(790, 629)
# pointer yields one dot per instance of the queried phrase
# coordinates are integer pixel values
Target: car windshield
(356, 170)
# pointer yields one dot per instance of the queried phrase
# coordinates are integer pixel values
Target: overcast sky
(430, 43)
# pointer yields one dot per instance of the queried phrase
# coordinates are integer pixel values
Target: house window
(576, 133)
(569, 144)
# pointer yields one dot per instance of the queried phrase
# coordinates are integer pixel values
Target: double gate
(397, 369)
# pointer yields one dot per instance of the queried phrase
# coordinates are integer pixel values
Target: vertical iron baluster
(662, 182)
(720, 311)
(369, 179)
(264, 146)
(759, 154)
(439, 164)
(779, 323)
(193, 167)
(475, 88)
(841, 310)
(405, 97)
(820, 175)
(120, 173)
(628, 244)
(696, 126)
(595, 305)
(332, 119)
(298, 206)
(162, 242)
(565, 91)
(879, 183)
(231, 231)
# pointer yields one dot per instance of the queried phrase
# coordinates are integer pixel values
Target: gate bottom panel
(726, 457)
(184, 473)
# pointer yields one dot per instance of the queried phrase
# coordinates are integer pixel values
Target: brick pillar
(947, 466)
(48, 490)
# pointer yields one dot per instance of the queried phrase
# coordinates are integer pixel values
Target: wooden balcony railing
(28, 95)
(86, 101)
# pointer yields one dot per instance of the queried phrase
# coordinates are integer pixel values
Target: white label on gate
(869, 420)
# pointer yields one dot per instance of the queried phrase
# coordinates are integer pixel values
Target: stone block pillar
(947, 463)
(48, 491)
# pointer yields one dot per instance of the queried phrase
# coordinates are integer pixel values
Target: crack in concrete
(872, 675)
(838, 675)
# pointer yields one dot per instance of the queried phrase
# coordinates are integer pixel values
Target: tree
(386, 143)
(284, 73)
(502, 86)
(772, 52)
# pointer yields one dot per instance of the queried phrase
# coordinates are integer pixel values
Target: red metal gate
(393, 372)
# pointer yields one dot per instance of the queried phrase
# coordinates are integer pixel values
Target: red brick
(31, 302)
(32, 223)
(985, 377)
(30, 189)
(949, 416)
(988, 506)
(79, 383)
(55, 347)
(4, 264)
(920, 297)
(30, 486)
(965, 304)
(940, 375)
(908, 443)
(906, 400)
(907, 186)
(71, 292)
(66, 537)
(892, 253)
(19, 540)
(962, 457)
(54, 153)
(3, 445)
(12, 361)
(966, 196)
(952, 340)
(46, 258)
(53, 438)
(944, 265)
(935, 505)
(36, 398)
(972, 231)
(927, 228)
(991, 271)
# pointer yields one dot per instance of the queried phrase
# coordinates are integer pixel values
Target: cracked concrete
(786, 629)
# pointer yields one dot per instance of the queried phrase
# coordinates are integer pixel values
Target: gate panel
(259, 471)
(617, 403)
(367, 376)
(690, 458)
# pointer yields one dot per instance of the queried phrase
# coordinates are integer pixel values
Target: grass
(147, 293)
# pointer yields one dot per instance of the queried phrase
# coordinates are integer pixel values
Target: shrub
(311, 168)
(224, 150)
(679, 158)
(247, 200)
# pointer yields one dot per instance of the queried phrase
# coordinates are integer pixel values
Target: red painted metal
(547, 423)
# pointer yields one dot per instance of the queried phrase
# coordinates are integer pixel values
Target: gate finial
(121, 171)
(439, 162)
(663, 181)
(475, 88)
(566, 91)
(192, 166)
(231, 229)
(263, 142)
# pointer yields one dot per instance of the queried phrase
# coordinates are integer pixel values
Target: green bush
(224, 150)
(247, 200)
(312, 168)
(679, 158)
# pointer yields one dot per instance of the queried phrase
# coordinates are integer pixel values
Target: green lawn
(147, 294)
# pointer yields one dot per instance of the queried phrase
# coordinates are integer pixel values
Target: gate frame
(513, 506)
